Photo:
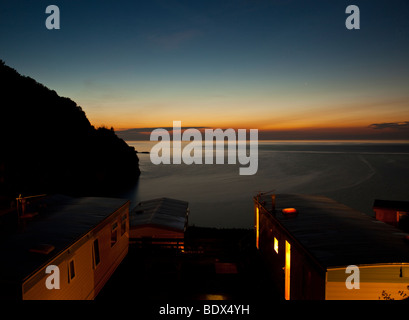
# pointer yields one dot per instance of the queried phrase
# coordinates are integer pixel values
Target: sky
(288, 68)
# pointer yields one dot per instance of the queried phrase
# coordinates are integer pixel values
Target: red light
(289, 210)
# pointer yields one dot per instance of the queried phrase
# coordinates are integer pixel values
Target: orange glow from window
(215, 297)
(289, 210)
(275, 245)
(287, 270)
(257, 226)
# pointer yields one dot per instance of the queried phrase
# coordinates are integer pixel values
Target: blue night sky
(277, 66)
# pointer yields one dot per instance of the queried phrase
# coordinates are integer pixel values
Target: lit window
(287, 271)
(257, 227)
(275, 245)
(114, 234)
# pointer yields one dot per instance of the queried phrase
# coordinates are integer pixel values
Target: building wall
(154, 232)
(307, 280)
(376, 282)
(88, 279)
(386, 215)
(79, 287)
(393, 217)
(111, 256)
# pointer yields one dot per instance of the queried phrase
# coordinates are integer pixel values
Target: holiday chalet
(86, 238)
(310, 243)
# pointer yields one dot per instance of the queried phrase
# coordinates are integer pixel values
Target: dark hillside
(49, 146)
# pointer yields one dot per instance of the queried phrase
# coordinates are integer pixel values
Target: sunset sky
(282, 66)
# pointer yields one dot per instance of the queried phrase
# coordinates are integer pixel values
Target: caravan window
(71, 270)
(123, 224)
(275, 245)
(114, 233)
(96, 253)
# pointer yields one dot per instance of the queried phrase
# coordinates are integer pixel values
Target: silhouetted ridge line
(49, 146)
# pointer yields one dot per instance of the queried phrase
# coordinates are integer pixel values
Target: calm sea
(354, 173)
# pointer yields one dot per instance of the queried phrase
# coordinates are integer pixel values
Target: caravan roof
(63, 222)
(337, 235)
(163, 212)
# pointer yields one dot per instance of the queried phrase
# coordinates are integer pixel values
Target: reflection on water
(354, 173)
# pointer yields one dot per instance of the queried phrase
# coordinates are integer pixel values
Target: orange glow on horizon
(243, 109)
(319, 128)
(261, 125)
(277, 123)
(212, 123)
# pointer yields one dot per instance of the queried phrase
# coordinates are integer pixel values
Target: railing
(158, 243)
(201, 246)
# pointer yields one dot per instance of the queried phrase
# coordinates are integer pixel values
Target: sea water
(354, 173)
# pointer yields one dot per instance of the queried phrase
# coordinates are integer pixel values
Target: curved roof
(163, 212)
